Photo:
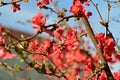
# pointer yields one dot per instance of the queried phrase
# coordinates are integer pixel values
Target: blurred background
(20, 22)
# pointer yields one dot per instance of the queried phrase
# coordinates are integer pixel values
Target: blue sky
(27, 11)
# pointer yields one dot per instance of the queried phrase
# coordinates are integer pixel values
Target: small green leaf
(21, 53)
(21, 60)
(63, 73)
(43, 70)
(22, 36)
(17, 67)
(51, 69)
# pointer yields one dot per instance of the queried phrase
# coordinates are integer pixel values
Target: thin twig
(96, 6)
(21, 40)
(46, 7)
(108, 7)
(64, 18)
(13, 67)
(95, 73)
(112, 1)
(11, 2)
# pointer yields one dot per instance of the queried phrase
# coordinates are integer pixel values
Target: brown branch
(13, 67)
(45, 7)
(112, 1)
(108, 7)
(7, 3)
(106, 24)
(99, 50)
(7, 33)
(67, 17)
(21, 40)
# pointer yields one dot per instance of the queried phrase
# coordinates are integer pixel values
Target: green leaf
(52, 69)
(63, 73)
(21, 53)
(43, 70)
(17, 67)
(22, 36)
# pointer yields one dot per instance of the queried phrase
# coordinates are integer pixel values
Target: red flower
(33, 45)
(108, 45)
(45, 46)
(78, 9)
(4, 54)
(89, 65)
(46, 2)
(103, 76)
(15, 7)
(59, 32)
(38, 20)
(117, 75)
(71, 39)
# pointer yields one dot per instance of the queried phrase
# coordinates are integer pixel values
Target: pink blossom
(15, 7)
(117, 75)
(33, 45)
(78, 9)
(71, 40)
(102, 76)
(107, 43)
(45, 45)
(38, 20)
(46, 2)
(89, 65)
(4, 54)
(59, 32)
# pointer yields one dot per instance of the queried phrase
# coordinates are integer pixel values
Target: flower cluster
(62, 50)
(117, 75)
(5, 54)
(71, 39)
(15, 7)
(102, 76)
(78, 9)
(38, 20)
(89, 65)
(44, 2)
(107, 43)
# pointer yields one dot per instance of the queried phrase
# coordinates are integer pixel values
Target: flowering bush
(66, 53)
